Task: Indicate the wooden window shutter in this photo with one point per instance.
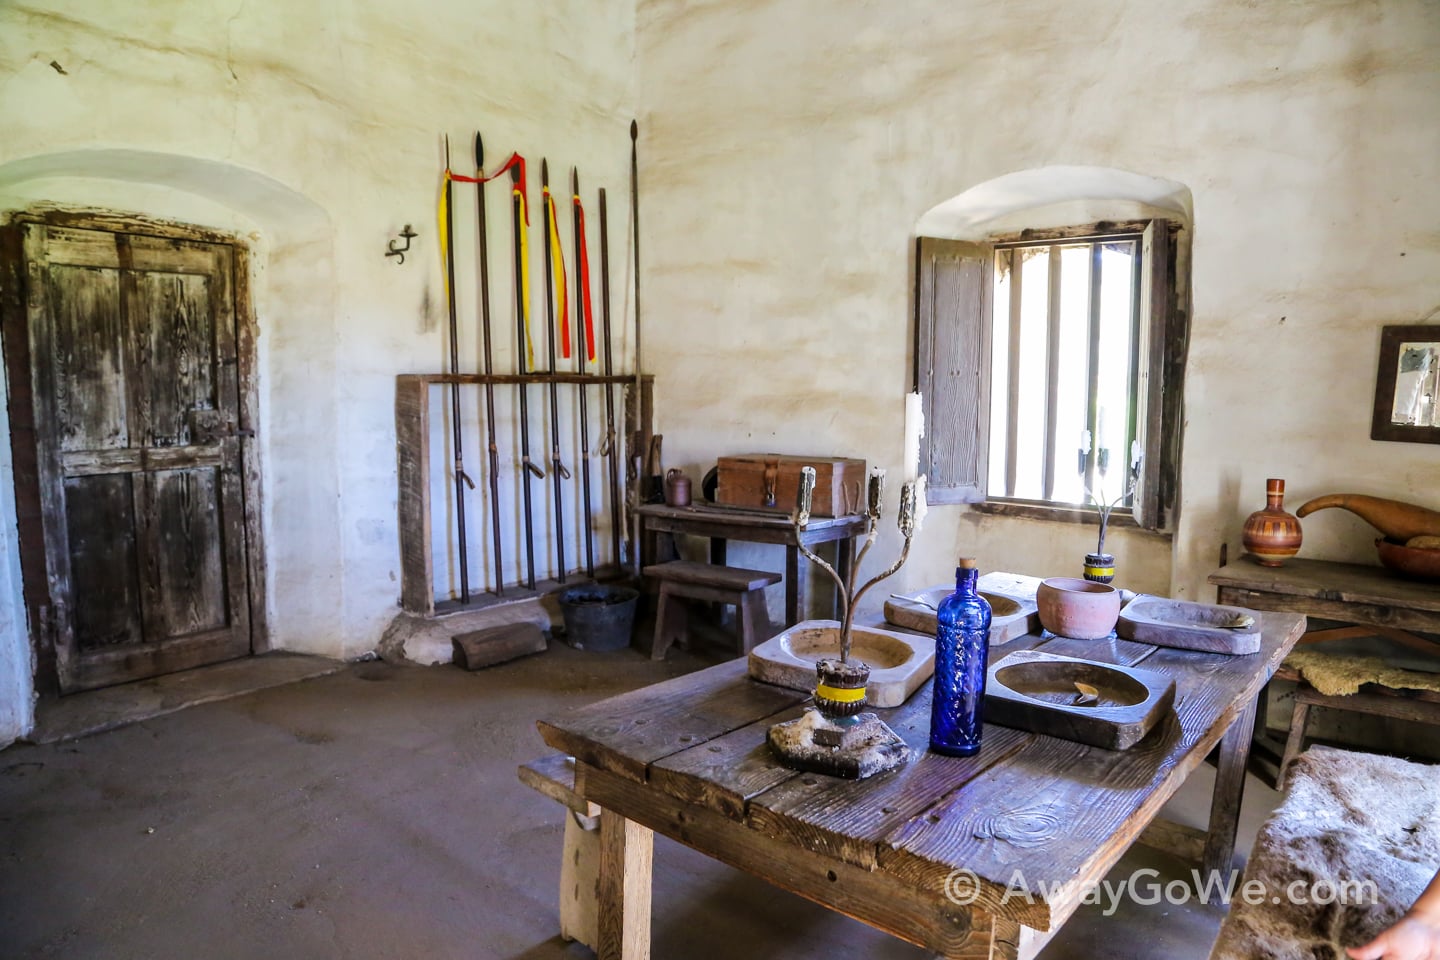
(952, 353)
(1151, 495)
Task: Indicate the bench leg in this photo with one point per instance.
(671, 622)
(1295, 742)
(752, 621)
(579, 870)
(626, 849)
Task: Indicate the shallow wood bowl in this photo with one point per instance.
(1417, 563)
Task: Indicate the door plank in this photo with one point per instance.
(102, 561)
(90, 368)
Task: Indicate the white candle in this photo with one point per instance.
(920, 503)
(914, 430)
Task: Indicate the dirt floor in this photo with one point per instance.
(375, 812)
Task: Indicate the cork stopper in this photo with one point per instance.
(967, 563)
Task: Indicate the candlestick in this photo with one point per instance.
(906, 518)
(914, 430)
(877, 491)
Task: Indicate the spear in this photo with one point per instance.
(558, 471)
(461, 478)
(499, 565)
(585, 345)
(519, 217)
(608, 448)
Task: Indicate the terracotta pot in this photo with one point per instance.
(1272, 536)
(1417, 563)
(1070, 607)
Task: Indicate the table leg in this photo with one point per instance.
(623, 888)
(794, 588)
(717, 551)
(1229, 791)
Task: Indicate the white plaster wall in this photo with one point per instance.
(791, 146)
(312, 131)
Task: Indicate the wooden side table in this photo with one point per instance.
(1350, 593)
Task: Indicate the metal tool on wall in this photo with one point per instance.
(555, 288)
(495, 536)
(585, 346)
(457, 435)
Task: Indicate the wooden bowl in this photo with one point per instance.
(1417, 563)
(1071, 607)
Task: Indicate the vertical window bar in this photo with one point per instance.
(1092, 388)
(1052, 373)
(1132, 421)
(1012, 406)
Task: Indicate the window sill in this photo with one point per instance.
(1030, 510)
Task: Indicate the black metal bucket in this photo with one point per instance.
(599, 616)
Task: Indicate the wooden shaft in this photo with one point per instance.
(557, 467)
(521, 306)
(612, 439)
(582, 289)
(457, 435)
(497, 562)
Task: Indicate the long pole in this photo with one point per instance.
(558, 471)
(582, 323)
(642, 442)
(609, 447)
(461, 479)
(498, 562)
(522, 289)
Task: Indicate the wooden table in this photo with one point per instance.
(722, 524)
(1356, 593)
(688, 758)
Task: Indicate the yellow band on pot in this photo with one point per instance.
(1100, 571)
(840, 694)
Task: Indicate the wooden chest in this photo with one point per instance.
(771, 480)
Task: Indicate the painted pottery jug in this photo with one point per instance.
(1272, 536)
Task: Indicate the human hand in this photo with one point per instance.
(1415, 937)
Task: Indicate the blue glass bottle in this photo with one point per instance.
(962, 641)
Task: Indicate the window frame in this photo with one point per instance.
(941, 354)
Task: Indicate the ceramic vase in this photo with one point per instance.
(1272, 536)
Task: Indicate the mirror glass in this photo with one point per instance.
(1417, 383)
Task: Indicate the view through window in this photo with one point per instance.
(1064, 378)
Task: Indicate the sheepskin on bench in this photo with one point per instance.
(1346, 816)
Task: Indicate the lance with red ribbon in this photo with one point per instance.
(583, 327)
(555, 289)
(608, 446)
(490, 426)
(519, 218)
(457, 435)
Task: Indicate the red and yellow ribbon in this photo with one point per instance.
(582, 268)
(557, 260)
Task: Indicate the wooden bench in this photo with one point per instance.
(684, 579)
(554, 776)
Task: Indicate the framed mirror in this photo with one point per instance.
(1407, 386)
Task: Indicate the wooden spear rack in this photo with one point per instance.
(413, 450)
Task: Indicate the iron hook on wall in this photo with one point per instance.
(407, 235)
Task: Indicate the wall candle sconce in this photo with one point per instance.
(407, 235)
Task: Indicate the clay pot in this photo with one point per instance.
(1070, 607)
(1272, 536)
(840, 687)
(1417, 563)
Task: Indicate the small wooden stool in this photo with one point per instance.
(684, 579)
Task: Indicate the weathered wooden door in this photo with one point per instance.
(136, 410)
